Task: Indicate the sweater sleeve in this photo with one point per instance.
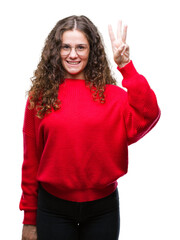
(29, 185)
(141, 111)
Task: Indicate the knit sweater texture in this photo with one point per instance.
(80, 151)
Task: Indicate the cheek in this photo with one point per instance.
(86, 60)
(64, 63)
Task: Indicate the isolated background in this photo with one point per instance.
(149, 193)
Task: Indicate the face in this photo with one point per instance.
(74, 53)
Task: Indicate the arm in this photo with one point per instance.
(29, 185)
(141, 111)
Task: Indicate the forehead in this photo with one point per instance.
(74, 37)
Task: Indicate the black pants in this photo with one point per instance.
(59, 219)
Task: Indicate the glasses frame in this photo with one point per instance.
(82, 52)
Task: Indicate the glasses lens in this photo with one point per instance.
(65, 50)
(81, 49)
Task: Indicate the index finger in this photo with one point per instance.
(111, 34)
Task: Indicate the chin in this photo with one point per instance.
(74, 71)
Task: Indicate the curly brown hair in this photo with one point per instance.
(43, 94)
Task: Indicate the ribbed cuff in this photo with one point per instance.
(30, 217)
(128, 70)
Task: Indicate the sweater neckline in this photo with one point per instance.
(74, 79)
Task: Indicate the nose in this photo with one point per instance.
(73, 53)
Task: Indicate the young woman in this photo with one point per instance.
(77, 127)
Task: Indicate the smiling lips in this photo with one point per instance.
(73, 62)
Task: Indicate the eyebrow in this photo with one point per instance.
(84, 44)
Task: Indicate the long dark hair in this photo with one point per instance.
(43, 94)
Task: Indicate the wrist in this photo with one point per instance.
(128, 71)
(29, 218)
(123, 64)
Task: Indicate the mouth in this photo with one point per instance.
(73, 62)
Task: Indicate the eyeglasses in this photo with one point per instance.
(80, 49)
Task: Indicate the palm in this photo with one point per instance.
(119, 46)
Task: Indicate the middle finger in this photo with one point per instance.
(119, 30)
(124, 34)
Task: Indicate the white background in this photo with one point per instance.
(149, 193)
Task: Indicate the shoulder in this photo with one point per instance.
(115, 91)
(115, 95)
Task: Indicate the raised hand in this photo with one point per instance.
(119, 46)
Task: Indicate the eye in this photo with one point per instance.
(65, 47)
(81, 47)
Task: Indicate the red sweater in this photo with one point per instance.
(79, 151)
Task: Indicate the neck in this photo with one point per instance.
(79, 76)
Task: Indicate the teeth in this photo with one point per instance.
(73, 63)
